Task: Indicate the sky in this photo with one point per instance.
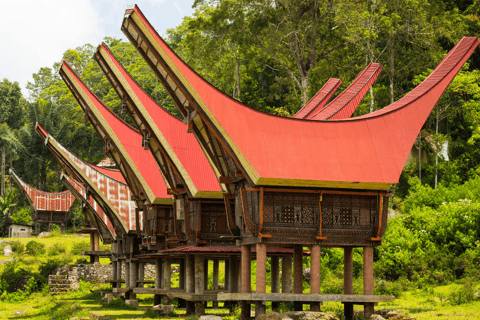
(36, 33)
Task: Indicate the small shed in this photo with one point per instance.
(19, 231)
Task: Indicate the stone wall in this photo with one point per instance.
(96, 272)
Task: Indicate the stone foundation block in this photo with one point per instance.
(132, 302)
(164, 309)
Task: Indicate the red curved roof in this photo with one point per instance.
(363, 152)
(343, 106)
(319, 100)
(45, 201)
(129, 137)
(184, 145)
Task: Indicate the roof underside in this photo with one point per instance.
(116, 195)
(45, 201)
(101, 220)
(182, 147)
(127, 141)
(366, 152)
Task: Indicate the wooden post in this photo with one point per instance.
(199, 283)
(261, 277)
(368, 308)
(181, 278)
(119, 272)
(275, 273)
(62, 228)
(287, 274)
(133, 278)
(297, 274)
(157, 299)
(215, 280)
(190, 280)
(167, 277)
(227, 270)
(232, 276)
(127, 279)
(246, 265)
(141, 273)
(205, 273)
(315, 266)
(348, 280)
(114, 273)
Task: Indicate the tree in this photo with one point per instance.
(11, 104)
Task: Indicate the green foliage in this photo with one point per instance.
(35, 248)
(22, 216)
(465, 294)
(78, 247)
(57, 249)
(17, 246)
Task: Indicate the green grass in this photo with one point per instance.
(433, 302)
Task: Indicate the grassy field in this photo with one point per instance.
(454, 301)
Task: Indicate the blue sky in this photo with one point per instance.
(36, 33)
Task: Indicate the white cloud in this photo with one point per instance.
(177, 5)
(35, 34)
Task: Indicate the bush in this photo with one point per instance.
(78, 247)
(465, 294)
(57, 249)
(35, 248)
(22, 216)
(17, 246)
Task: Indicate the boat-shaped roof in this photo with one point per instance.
(112, 195)
(91, 207)
(367, 152)
(42, 200)
(136, 164)
(168, 132)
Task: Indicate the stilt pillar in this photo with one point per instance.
(181, 278)
(62, 228)
(215, 280)
(141, 273)
(275, 277)
(157, 299)
(49, 227)
(226, 280)
(261, 277)
(315, 266)
(232, 276)
(167, 277)
(199, 283)
(368, 308)
(205, 273)
(348, 280)
(287, 274)
(94, 246)
(119, 273)
(127, 279)
(297, 274)
(190, 280)
(246, 270)
(114, 273)
(133, 278)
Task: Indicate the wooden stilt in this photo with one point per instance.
(133, 278)
(261, 277)
(215, 280)
(190, 280)
(368, 308)
(275, 278)
(315, 266)
(348, 280)
(246, 259)
(199, 283)
(157, 299)
(141, 273)
(298, 274)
